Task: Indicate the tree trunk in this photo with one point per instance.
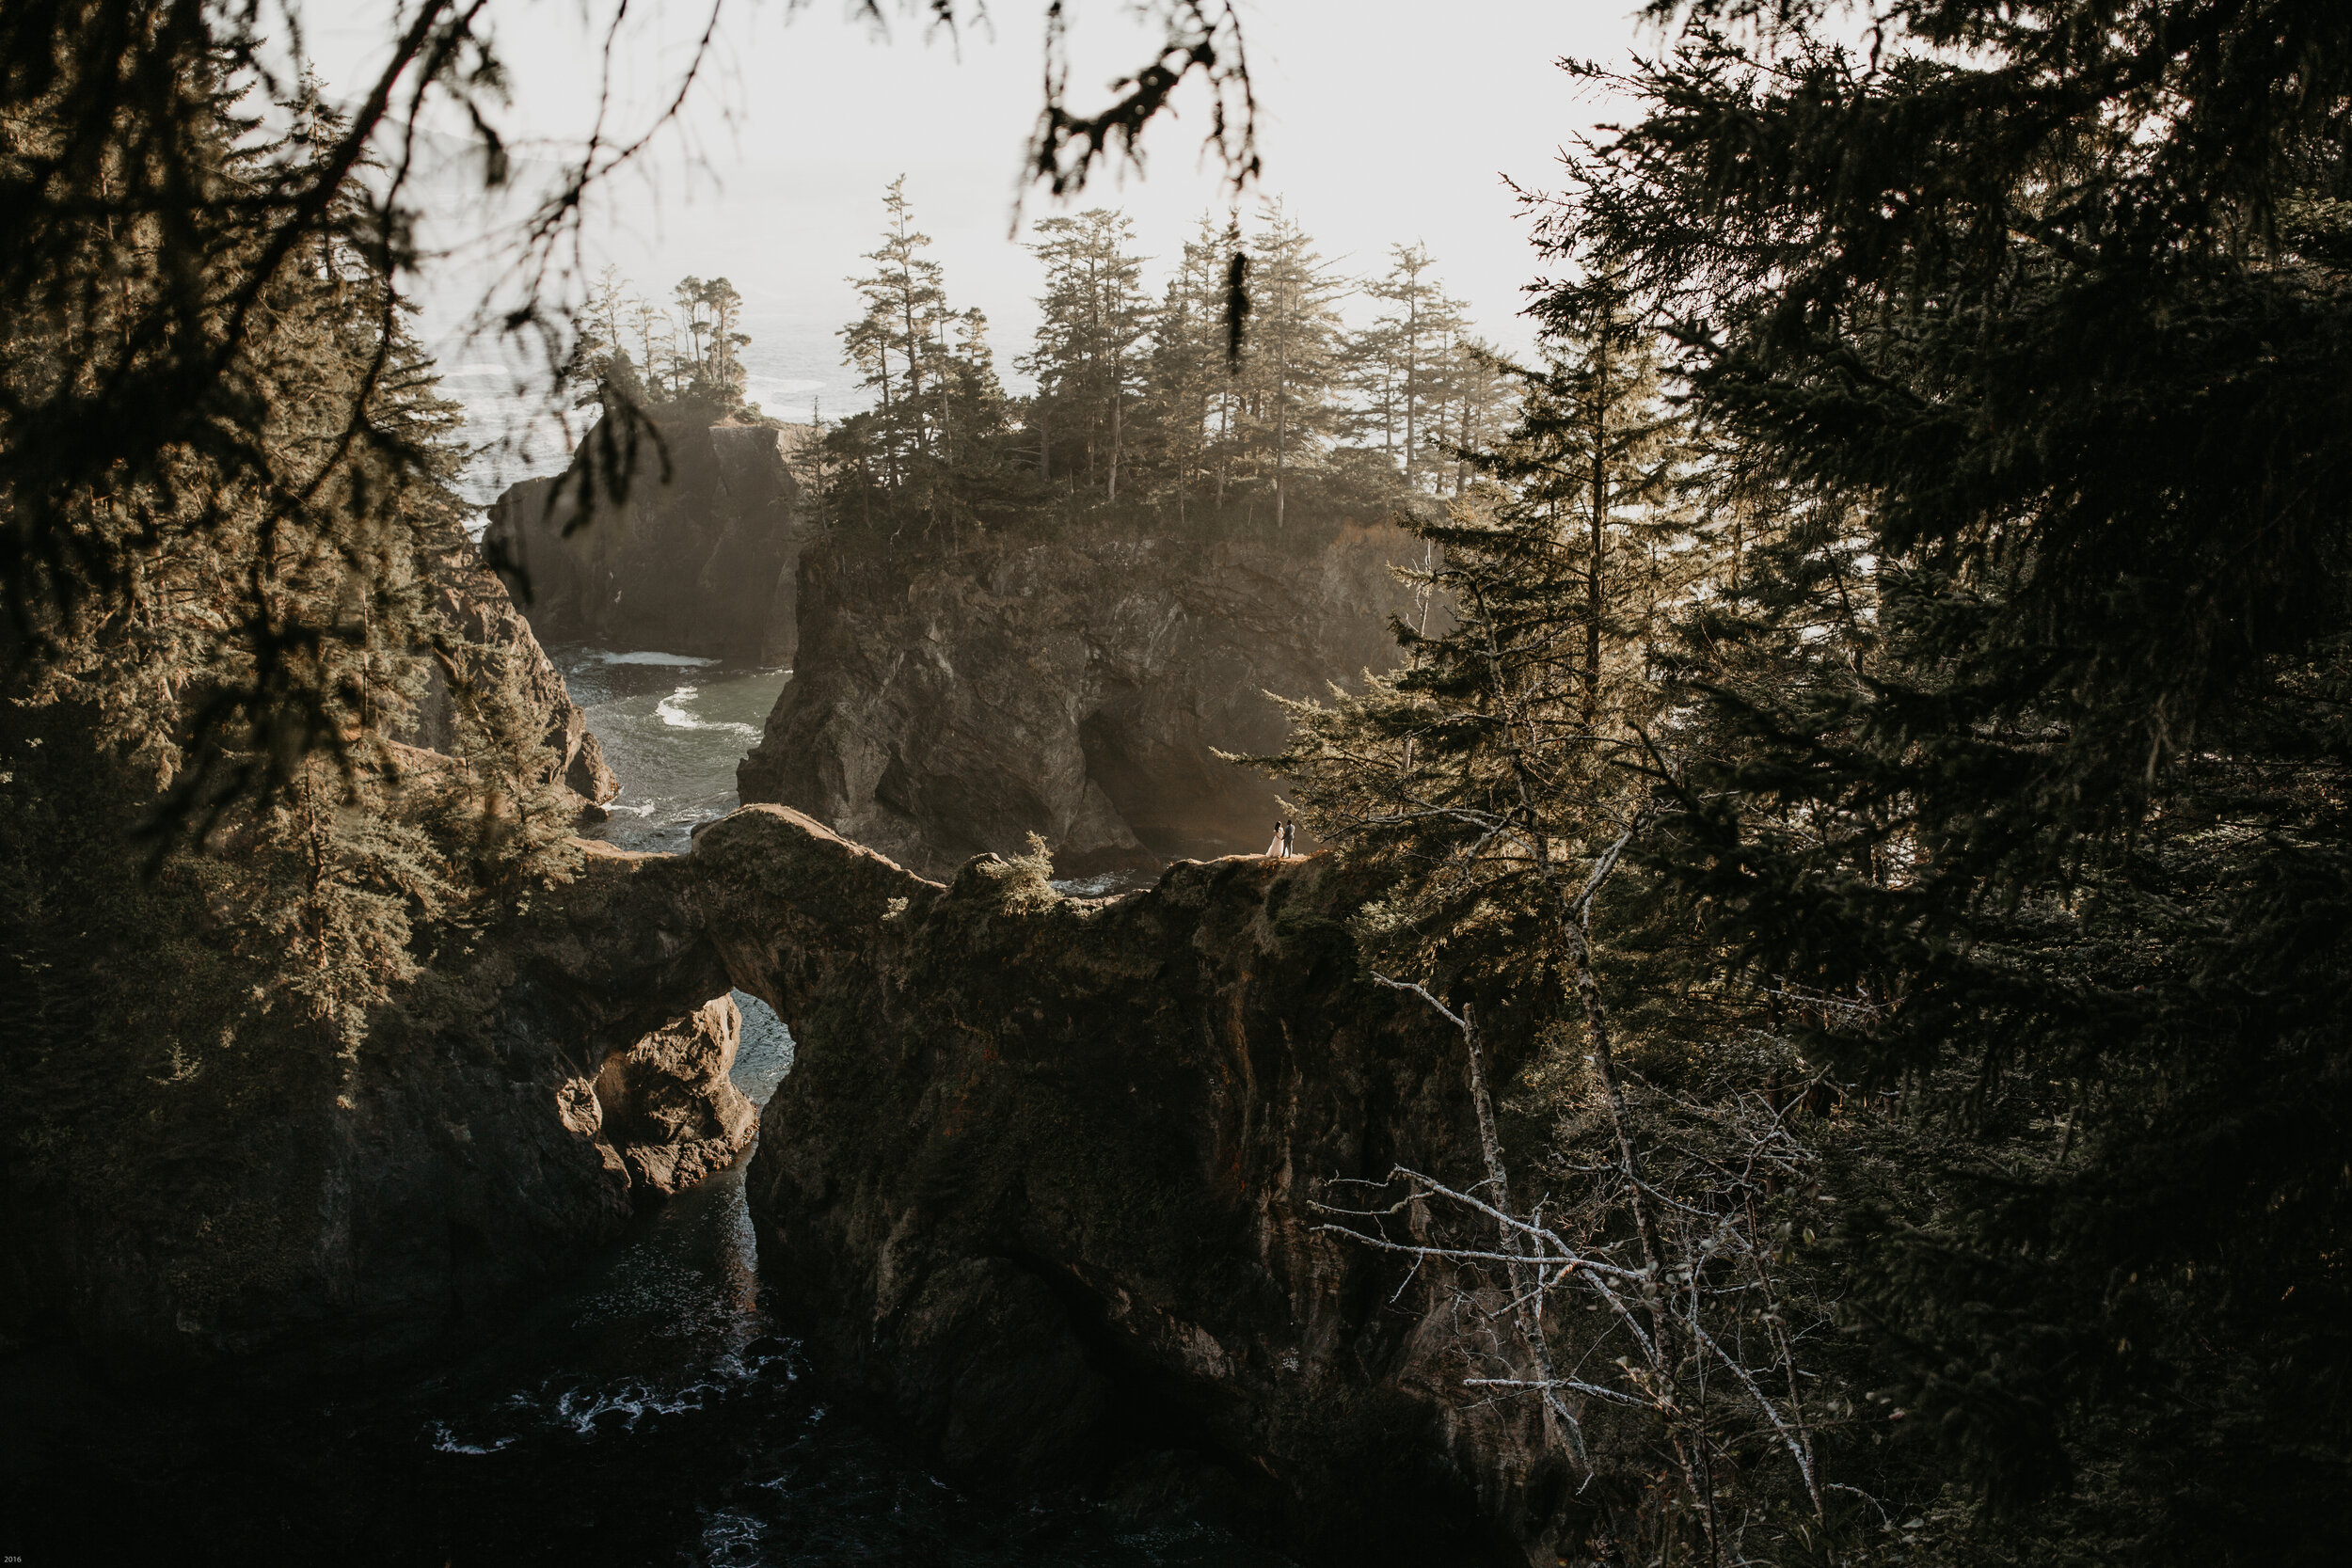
(1412, 391)
(1111, 493)
(1599, 538)
(1281, 437)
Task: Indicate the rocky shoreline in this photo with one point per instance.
(1044, 1180)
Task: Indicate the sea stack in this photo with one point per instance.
(1080, 689)
(699, 557)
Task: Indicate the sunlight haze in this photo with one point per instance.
(1376, 129)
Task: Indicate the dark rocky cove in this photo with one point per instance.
(650, 1409)
(1025, 1275)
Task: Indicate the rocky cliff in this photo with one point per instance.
(174, 1205)
(1043, 1176)
(498, 645)
(192, 1173)
(701, 557)
(1075, 690)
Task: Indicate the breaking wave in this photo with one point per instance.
(649, 657)
(671, 711)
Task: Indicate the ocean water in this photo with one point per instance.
(673, 729)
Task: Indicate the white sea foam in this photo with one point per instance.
(671, 711)
(447, 1442)
(688, 660)
(580, 1408)
(731, 1537)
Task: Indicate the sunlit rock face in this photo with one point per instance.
(1044, 1176)
(497, 644)
(699, 557)
(666, 1106)
(1076, 689)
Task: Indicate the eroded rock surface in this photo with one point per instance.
(1079, 691)
(499, 647)
(702, 560)
(666, 1106)
(1043, 1176)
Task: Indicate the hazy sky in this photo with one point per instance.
(1383, 121)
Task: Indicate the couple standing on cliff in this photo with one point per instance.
(1285, 841)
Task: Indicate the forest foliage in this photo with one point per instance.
(1146, 411)
(1879, 711)
(1895, 698)
(258, 769)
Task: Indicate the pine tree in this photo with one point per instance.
(933, 453)
(345, 878)
(1289, 361)
(712, 368)
(1557, 582)
(601, 370)
(1399, 367)
(899, 343)
(699, 374)
(1189, 385)
(1503, 777)
(2023, 724)
(1477, 406)
(343, 854)
(1085, 357)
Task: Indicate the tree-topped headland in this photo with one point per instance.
(1152, 414)
(1105, 576)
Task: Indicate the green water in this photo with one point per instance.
(672, 730)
